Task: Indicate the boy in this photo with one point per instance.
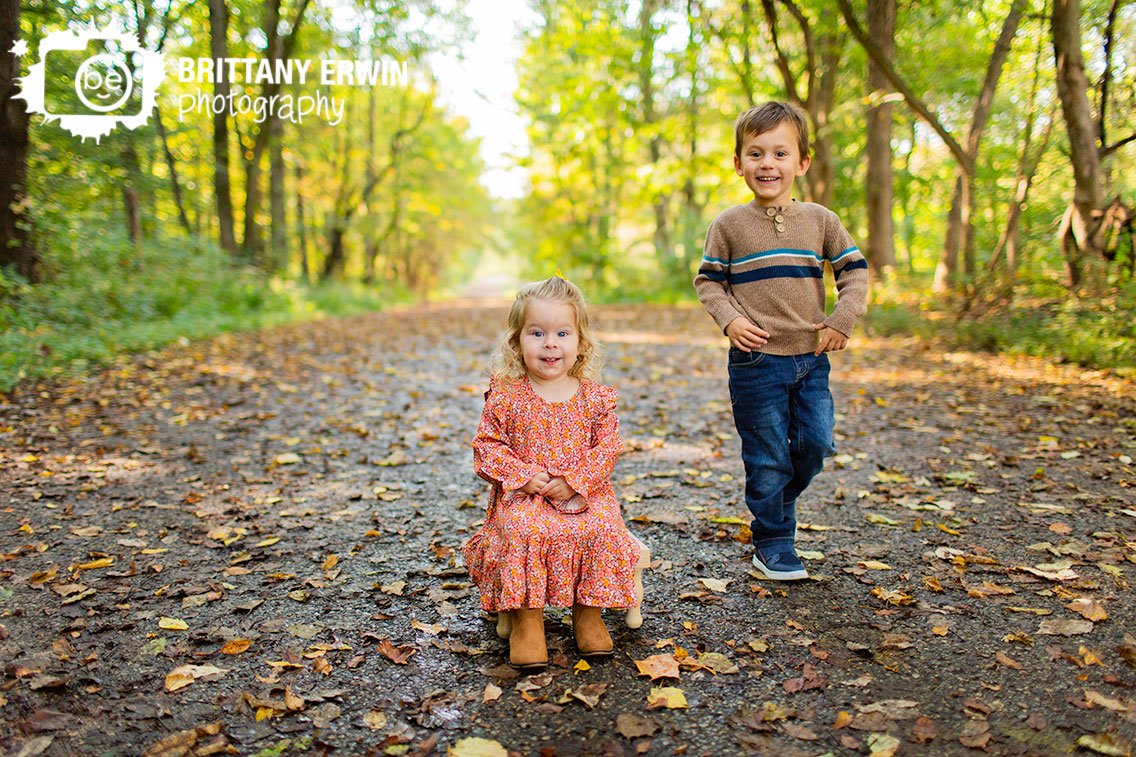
(762, 281)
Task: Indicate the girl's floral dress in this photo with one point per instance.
(528, 554)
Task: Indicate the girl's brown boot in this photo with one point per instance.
(592, 638)
(527, 648)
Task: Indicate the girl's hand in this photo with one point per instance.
(539, 481)
(557, 489)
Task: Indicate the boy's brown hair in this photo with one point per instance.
(768, 116)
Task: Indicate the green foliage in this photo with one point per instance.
(1038, 318)
(103, 297)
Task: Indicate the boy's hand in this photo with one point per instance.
(829, 340)
(745, 335)
(539, 481)
(557, 489)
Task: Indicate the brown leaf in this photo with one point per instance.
(658, 666)
(1064, 627)
(1090, 609)
(236, 646)
(798, 731)
(1006, 660)
(397, 655)
(924, 730)
(632, 726)
(975, 734)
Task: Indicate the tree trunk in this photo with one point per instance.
(959, 232)
(647, 37)
(222, 186)
(171, 164)
(279, 48)
(302, 225)
(278, 255)
(881, 226)
(1080, 236)
(16, 247)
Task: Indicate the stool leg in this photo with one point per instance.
(634, 617)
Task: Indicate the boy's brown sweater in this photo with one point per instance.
(767, 264)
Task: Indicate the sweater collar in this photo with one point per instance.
(789, 209)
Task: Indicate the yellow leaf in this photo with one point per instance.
(269, 541)
(947, 530)
(940, 630)
(286, 458)
(581, 666)
(236, 646)
(376, 720)
(666, 696)
(103, 562)
(874, 565)
(330, 562)
(173, 624)
(263, 713)
(843, 720)
(477, 747)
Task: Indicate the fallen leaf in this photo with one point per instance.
(874, 565)
(477, 747)
(924, 730)
(184, 675)
(666, 696)
(843, 720)
(798, 731)
(1008, 661)
(632, 726)
(376, 720)
(492, 692)
(330, 562)
(589, 694)
(433, 629)
(395, 588)
(172, 624)
(236, 646)
(1090, 609)
(715, 584)
(397, 655)
(1064, 627)
(1106, 702)
(103, 562)
(882, 745)
(658, 666)
(1106, 743)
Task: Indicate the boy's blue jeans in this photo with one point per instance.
(783, 411)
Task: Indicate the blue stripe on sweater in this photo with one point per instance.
(852, 267)
(777, 272)
(788, 251)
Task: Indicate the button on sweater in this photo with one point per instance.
(767, 264)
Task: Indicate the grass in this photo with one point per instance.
(102, 297)
(1040, 318)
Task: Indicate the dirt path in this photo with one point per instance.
(282, 512)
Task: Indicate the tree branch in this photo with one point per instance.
(782, 59)
(913, 100)
(1106, 151)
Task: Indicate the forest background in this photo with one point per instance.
(975, 149)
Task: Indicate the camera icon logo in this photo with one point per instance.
(92, 81)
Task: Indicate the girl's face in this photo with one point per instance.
(550, 342)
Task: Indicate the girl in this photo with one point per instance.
(547, 442)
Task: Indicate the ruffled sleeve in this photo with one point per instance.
(593, 471)
(493, 458)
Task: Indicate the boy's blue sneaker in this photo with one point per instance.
(779, 562)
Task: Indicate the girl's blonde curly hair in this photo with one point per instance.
(508, 364)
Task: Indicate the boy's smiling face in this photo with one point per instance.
(770, 162)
